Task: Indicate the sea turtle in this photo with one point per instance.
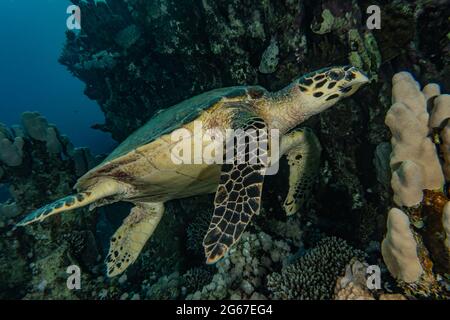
(142, 170)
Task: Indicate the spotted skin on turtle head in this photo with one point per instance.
(332, 83)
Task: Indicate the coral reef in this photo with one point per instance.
(191, 47)
(313, 276)
(241, 274)
(31, 153)
(195, 279)
(446, 224)
(219, 44)
(414, 163)
(414, 248)
(166, 288)
(353, 285)
(44, 169)
(196, 231)
(400, 249)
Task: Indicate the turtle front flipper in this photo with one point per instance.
(130, 238)
(103, 189)
(238, 195)
(303, 154)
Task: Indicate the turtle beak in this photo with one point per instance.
(361, 78)
(354, 79)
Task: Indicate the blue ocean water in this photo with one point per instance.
(32, 35)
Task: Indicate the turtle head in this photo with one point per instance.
(312, 94)
(322, 89)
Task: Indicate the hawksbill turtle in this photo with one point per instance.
(141, 169)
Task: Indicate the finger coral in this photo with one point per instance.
(400, 248)
(414, 162)
(414, 248)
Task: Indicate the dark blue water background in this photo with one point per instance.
(32, 34)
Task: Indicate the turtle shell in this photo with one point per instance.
(167, 120)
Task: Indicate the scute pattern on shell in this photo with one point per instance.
(175, 116)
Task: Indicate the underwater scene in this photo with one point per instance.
(225, 150)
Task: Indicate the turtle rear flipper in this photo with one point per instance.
(130, 238)
(103, 189)
(238, 195)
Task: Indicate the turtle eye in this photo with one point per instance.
(335, 75)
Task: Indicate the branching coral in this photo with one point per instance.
(313, 276)
(196, 231)
(194, 279)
